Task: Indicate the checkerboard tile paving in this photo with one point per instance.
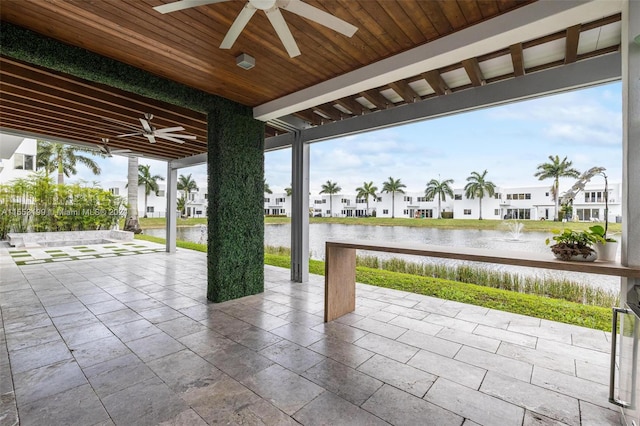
(34, 256)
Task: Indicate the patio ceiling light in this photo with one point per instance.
(245, 61)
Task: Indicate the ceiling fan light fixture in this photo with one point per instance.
(245, 61)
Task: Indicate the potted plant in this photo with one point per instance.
(605, 246)
(574, 245)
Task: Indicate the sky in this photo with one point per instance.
(508, 141)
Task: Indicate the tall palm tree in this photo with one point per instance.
(289, 190)
(267, 190)
(368, 189)
(392, 186)
(186, 184)
(436, 188)
(132, 223)
(150, 182)
(330, 188)
(53, 156)
(556, 169)
(478, 186)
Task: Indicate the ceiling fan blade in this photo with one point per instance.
(130, 134)
(238, 25)
(184, 4)
(170, 138)
(145, 125)
(188, 137)
(150, 137)
(314, 14)
(282, 29)
(120, 151)
(169, 130)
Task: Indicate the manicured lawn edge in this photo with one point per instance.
(503, 300)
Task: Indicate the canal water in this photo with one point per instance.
(532, 242)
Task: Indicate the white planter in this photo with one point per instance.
(607, 252)
(591, 257)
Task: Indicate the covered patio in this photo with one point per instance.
(133, 340)
(121, 341)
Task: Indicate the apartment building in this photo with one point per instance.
(524, 203)
(17, 157)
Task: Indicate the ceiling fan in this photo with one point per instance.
(106, 149)
(150, 132)
(272, 9)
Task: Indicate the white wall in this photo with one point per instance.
(9, 172)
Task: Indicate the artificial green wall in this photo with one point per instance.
(235, 210)
(235, 146)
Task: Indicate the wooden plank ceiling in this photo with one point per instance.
(183, 46)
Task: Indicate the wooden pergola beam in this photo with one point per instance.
(571, 47)
(375, 98)
(472, 67)
(436, 82)
(517, 59)
(402, 88)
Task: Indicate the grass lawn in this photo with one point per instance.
(529, 225)
(504, 300)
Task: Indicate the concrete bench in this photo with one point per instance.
(340, 266)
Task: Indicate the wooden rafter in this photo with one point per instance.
(376, 98)
(436, 82)
(352, 105)
(571, 47)
(329, 111)
(517, 59)
(405, 91)
(472, 67)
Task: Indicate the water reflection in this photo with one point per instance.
(532, 242)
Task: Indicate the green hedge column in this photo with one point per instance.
(236, 200)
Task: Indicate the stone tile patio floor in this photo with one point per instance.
(133, 341)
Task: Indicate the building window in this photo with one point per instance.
(345, 201)
(150, 209)
(546, 194)
(379, 199)
(324, 201)
(279, 200)
(281, 211)
(206, 196)
(457, 197)
(161, 193)
(329, 212)
(23, 162)
(496, 212)
(467, 212)
(406, 211)
(114, 191)
(408, 199)
(317, 201)
(588, 214)
(267, 200)
(527, 196)
(509, 196)
(385, 211)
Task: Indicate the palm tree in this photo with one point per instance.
(555, 170)
(186, 184)
(150, 183)
(393, 186)
(365, 191)
(435, 188)
(479, 187)
(132, 223)
(52, 156)
(289, 190)
(267, 190)
(330, 188)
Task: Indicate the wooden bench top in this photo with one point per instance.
(517, 258)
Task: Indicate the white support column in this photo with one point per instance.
(300, 210)
(172, 206)
(631, 133)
